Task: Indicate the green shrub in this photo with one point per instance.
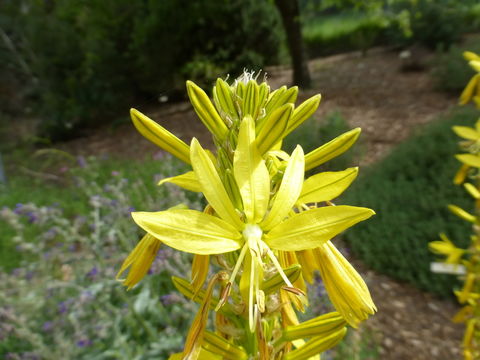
(410, 190)
(432, 23)
(451, 71)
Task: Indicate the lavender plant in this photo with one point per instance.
(62, 301)
(263, 233)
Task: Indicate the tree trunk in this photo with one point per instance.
(290, 13)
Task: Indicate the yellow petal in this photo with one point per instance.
(212, 186)
(289, 190)
(469, 90)
(190, 231)
(345, 287)
(462, 213)
(475, 64)
(302, 113)
(472, 190)
(219, 345)
(320, 326)
(251, 99)
(327, 185)
(469, 159)
(199, 274)
(469, 55)
(316, 345)
(224, 99)
(206, 111)
(251, 174)
(140, 260)
(160, 136)
(331, 149)
(275, 282)
(461, 174)
(194, 340)
(466, 132)
(186, 181)
(312, 228)
(273, 128)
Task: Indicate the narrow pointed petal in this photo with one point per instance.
(313, 228)
(469, 159)
(326, 186)
(320, 326)
(462, 213)
(139, 260)
(251, 174)
(316, 345)
(199, 273)
(274, 283)
(186, 181)
(251, 99)
(212, 186)
(224, 99)
(273, 129)
(160, 136)
(303, 112)
(190, 231)
(194, 340)
(331, 149)
(345, 287)
(206, 111)
(469, 90)
(466, 132)
(288, 192)
(219, 345)
(470, 56)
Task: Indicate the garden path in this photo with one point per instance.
(388, 104)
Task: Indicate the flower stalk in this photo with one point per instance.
(267, 227)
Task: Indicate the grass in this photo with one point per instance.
(341, 32)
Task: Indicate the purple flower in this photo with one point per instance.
(18, 208)
(81, 161)
(84, 342)
(32, 217)
(47, 326)
(115, 173)
(94, 271)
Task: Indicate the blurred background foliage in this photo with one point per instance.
(75, 64)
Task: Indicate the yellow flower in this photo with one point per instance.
(447, 248)
(262, 226)
(346, 288)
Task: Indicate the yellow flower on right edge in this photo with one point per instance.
(468, 259)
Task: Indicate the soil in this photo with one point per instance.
(373, 93)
